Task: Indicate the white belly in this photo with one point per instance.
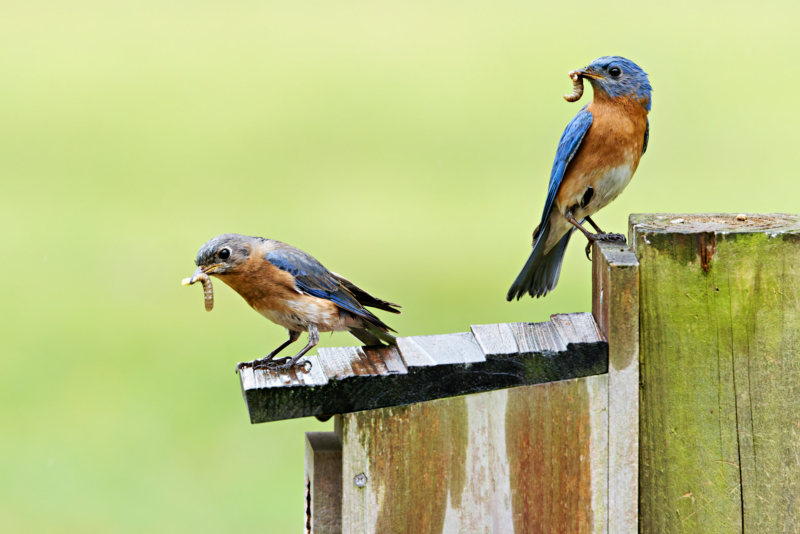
(298, 314)
(609, 186)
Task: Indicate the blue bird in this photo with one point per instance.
(294, 290)
(596, 158)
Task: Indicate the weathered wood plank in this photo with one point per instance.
(496, 339)
(422, 351)
(421, 368)
(391, 359)
(528, 459)
(344, 362)
(719, 331)
(323, 466)
(271, 378)
(615, 306)
(538, 338)
(541, 354)
(577, 327)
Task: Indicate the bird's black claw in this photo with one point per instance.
(299, 365)
(619, 238)
(266, 364)
(263, 363)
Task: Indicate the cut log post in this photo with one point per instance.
(323, 483)
(720, 372)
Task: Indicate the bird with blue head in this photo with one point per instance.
(292, 289)
(595, 160)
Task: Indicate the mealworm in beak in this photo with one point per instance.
(208, 289)
(577, 87)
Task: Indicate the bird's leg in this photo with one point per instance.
(596, 228)
(577, 225)
(313, 339)
(294, 335)
(600, 236)
(267, 361)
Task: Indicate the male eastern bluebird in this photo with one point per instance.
(292, 289)
(596, 158)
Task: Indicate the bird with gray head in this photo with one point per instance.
(294, 290)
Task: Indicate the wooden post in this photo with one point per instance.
(615, 306)
(720, 372)
(527, 459)
(323, 483)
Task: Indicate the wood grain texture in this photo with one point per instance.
(422, 368)
(556, 444)
(323, 467)
(720, 372)
(528, 459)
(615, 306)
(424, 351)
(577, 328)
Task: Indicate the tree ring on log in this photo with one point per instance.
(719, 222)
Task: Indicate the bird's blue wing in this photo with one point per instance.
(567, 147)
(646, 136)
(313, 278)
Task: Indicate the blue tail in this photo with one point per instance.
(540, 274)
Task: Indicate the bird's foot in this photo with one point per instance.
(263, 363)
(304, 366)
(615, 238)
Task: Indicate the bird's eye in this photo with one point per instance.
(615, 71)
(224, 254)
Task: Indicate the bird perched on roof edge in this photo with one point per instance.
(294, 290)
(596, 158)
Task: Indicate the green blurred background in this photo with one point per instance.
(406, 145)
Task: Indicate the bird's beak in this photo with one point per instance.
(207, 269)
(587, 74)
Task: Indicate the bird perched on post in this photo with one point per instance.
(596, 158)
(291, 289)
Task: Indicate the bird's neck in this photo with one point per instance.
(629, 103)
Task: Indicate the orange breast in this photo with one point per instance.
(261, 284)
(614, 139)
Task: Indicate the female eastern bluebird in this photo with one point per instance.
(596, 158)
(294, 290)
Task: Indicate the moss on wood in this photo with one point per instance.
(720, 373)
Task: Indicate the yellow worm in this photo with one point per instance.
(577, 87)
(208, 289)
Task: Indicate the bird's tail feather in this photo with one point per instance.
(540, 274)
(370, 335)
(365, 299)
